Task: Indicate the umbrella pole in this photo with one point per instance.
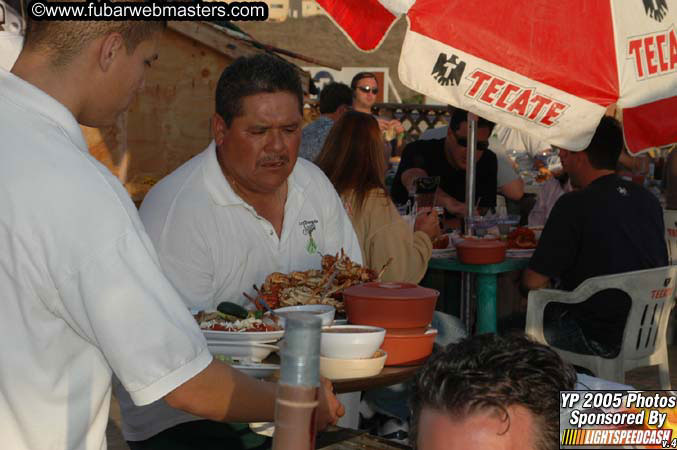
(470, 173)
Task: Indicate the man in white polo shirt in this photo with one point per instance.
(243, 208)
(83, 295)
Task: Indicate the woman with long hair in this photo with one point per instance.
(352, 158)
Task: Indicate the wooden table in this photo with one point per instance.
(349, 391)
(486, 285)
(387, 377)
(337, 438)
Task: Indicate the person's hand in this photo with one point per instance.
(428, 222)
(383, 124)
(397, 126)
(330, 409)
(450, 203)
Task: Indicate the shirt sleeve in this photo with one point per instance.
(391, 237)
(184, 254)
(187, 262)
(506, 173)
(120, 301)
(557, 249)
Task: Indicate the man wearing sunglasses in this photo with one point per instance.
(447, 159)
(365, 89)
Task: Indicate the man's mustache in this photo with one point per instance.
(273, 160)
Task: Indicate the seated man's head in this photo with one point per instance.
(257, 124)
(601, 155)
(490, 392)
(456, 143)
(95, 68)
(335, 99)
(365, 89)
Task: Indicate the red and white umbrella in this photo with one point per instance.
(547, 67)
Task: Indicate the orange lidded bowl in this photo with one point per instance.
(405, 349)
(391, 305)
(481, 251)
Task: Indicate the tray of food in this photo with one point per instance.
(231, 322)
(315, 287)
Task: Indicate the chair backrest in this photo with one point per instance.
(670, 220)
(652, 294)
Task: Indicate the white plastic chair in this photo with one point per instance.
(644, 342)
(670, 220)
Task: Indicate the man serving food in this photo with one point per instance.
(242, 209)
(83, 294)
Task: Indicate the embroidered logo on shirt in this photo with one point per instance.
(621, 190)
(308, 227)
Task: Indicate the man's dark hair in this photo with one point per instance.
(606, 145)
(490, 372)
(254, 75)
(458, 116)
(333, 96)
(361, 76)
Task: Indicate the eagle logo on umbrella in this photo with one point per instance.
(448, 70)
(656, 9)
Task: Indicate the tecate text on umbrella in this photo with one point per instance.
(654, 54)
(512, 98)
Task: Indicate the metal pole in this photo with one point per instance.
(466, 297)
(470, 171)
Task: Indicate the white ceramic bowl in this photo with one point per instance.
(324, 312)
(351, 341)
(242, 351)
(341, 369)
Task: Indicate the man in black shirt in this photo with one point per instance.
(608, 226)
(447, 159)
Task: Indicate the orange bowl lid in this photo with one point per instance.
(392, 290)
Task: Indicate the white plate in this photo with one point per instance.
(263, 428)
(243, 336)
(519, 252)
(445, 253)
(243, 351)
(257, 370)
(324, 312)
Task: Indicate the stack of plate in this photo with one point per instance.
(245, 350)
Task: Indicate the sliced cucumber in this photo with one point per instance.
(232, 309)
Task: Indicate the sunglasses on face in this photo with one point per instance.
(481, 145)
(368, 89)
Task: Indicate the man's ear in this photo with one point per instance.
(218, 128)
(111, 46)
